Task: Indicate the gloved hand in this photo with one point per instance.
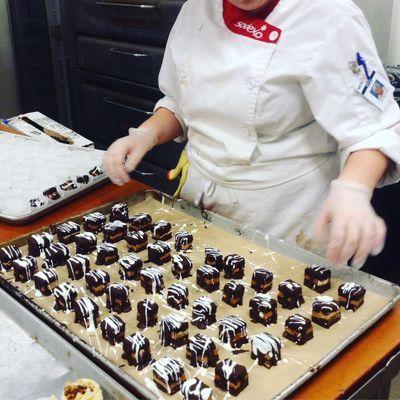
(125, 154)
(349, 224)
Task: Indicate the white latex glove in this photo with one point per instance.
(126, 153)
(349, 224)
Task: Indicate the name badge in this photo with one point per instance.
(372, 86)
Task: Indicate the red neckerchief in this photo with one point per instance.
(252, 25)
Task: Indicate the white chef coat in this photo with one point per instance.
(272, 113)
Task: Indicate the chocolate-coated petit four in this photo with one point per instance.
(152, 280)
(263, 309)
(137, 241)
(56, 255)
(117, 298)
(232, 294)
(52, 193)
(298, 329)
(78, 266)
(94, 222)
(45, 282)
(203, 313)
(290, 294)
(113, 329)
(8, 254)
(201, 351)
(174, 331)
(178, 296)
(195, 389)
(181, 266)
(168, 374)
(83, 179)
(183, 241)
(115, 231)
(325, 311)
(231, 377)
(130, 267)
(161, 230)
(119, 212)
(86, 313)
(147, 314)
(137, 350)
(24, 268)
(207, 277)
(233, 330)
(97, 281)
(69, 185)
(64, 295)
(214, 258)
(266, 349)
(86, 242)
(37, 243)
(66, 232)
(107, 254)
(351, 296)
(234, 266)
(261, 280)
(96, 171)
(159, 252)
(140, 221)
(317, 278)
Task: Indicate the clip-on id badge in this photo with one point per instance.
(373, 86)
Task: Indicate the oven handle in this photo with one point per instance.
(111, 101)
(128, 53)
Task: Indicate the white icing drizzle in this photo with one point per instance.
(28, 264)
(350, 290)
(107, 247)
(161, 228)
(114, 323)
(116, 287)
(180, 263)
(96, 218)
(177, 292)
(326, 304)
(199, 345)
(98, 275)
(233, 260)
(183, 238)
(194, 388)
(79, 261)
(137, 342)
(160, 246)
(169, 370)
(155, 276)
(87, 308)
(265, 343)
(113, 226)
(42, 240)
(89, 236)
(66, 291)
(11, 252)
(168, 323)
(202, 308)
(228, 366)
(147, 305)
(68, 227)
(230, 326)
(54, 250)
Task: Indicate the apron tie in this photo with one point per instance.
(181, 169)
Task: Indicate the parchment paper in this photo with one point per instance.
(296, 360)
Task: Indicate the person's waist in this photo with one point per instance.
(261, 174)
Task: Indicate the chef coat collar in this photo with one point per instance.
(251, 25)
(236, 12)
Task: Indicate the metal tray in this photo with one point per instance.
(95, 363)
(66, 198)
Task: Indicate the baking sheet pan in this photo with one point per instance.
(66, 197)
(299, 363)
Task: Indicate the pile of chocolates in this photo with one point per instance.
(145, 264)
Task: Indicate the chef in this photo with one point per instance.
(284, 130)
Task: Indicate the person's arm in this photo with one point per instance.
(160, 128)
(347, 218)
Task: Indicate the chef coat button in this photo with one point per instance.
(250, 83)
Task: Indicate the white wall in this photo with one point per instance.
(379, 15)
(9, 104)
(394, 44)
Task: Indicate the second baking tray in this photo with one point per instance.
(298, 364)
